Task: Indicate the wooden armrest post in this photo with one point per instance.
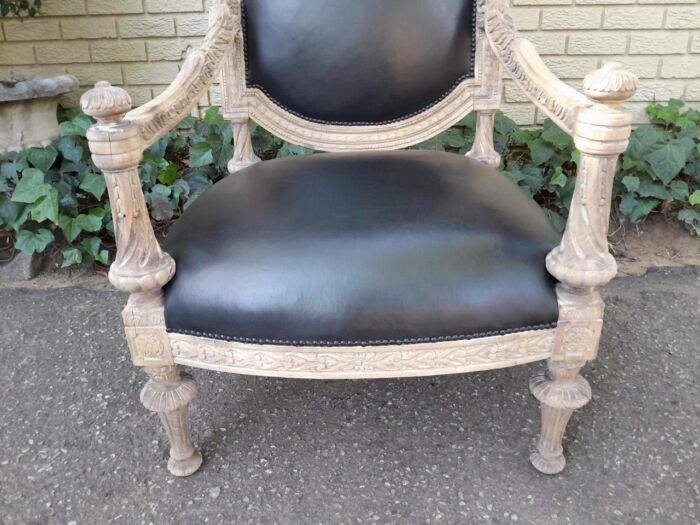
(582, 260)
(142, 269)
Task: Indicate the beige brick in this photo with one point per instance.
(116, 51)
(549, 43)
(664, 43)
(604, 2)
(643, 67)
(149, 27)
(140, 94)
(683, 17)
(192, 25)
(513, 93)
(638, 112)
(170, 49)
(16, 54)
(633, 18)
(542, 2)
(680, 67)
(62, 52)
(43, 70)
(522, 114)
(151, 73)
(695, 44)
(667, 1)
(659, 90)
(168, 6)
(215, 97)
(572, 18)
(599, 43)
(62, 7)
(88, 27)
(692, 91)
(88, 74)
(526, 18)
(2, 34)
(32, 29)
(114, 7)
(571, 67)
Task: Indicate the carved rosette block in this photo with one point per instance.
(580, 324)
(169, 393)
(560, 390)
(482, 149)
(243, 154)
(144, 322)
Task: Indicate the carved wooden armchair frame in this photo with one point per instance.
(581, 262)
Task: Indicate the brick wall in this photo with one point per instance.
(140, 44)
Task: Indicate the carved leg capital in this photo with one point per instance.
(560, 390)
(169, 393)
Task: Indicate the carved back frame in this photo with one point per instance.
(581, 262)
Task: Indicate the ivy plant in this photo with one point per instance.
(55, 197)
(19, 7)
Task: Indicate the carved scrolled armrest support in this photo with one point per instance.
(155, 118)
(520, 59)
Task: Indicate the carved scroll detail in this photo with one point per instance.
(358, 362)
(199, 70)
(520, 58)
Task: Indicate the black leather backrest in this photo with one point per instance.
(358, 61)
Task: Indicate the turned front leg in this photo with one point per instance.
(168, 393)
(561, 390)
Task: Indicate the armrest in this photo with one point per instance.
(558, 100)
(155, 118)
(118, 140)
(601, 130)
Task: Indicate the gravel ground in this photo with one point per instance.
(76, 446)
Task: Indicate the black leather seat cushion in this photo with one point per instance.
(361, 248)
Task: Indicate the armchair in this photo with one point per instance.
(365, 262)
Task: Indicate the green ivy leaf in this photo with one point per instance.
(627, 204)
(643, 208)
(559, 178)
(94, 183)
(31, 187)
(71, 257)
(694, 199)
(667, 161)
(33, 241)
(643, 141)
(540, 152)
(631, 182)
(690, 217)
(679, 190)
(201, 155)
(169, 175)
(72, 227)
(46, 208)
(556, 136)
(77, 126)
(42, 158)
(70, 149)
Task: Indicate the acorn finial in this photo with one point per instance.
(106, 103)
(611, 84)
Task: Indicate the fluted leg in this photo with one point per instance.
(243, 154)
(169, 393)
(560, 389)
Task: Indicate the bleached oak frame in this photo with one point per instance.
(581, 262)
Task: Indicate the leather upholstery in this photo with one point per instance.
(361, 248)
(358, 61)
